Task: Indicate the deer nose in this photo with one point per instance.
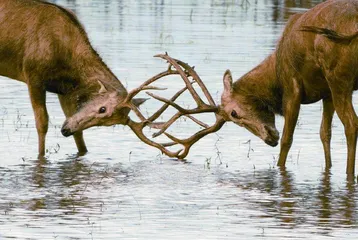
(272, 136)
(66, 132)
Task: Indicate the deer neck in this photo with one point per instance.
(93, 69)
(261, 83)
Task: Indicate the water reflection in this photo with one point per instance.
(64, 185)
(348, 206)
(295, 203)
(287, 205)
(282, 10)
(324, 199)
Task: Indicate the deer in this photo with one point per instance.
(45, 46)
(315, 59)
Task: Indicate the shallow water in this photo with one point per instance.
(229, 188)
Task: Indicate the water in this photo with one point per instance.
(229, 188)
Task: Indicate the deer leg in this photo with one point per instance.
(326, 129)
(343, 104)
(291, 111)
(38, 102)
(69, 109)
(80, 143)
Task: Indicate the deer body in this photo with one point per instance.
(316, 59)
(46, 47)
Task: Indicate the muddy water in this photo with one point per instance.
(229, 188)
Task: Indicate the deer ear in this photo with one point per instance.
(102, 89)
(227, 82)
(138, 101)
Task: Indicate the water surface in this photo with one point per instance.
(229, 188)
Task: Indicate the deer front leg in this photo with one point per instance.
(80, 143)
(326, 129)
(38, 102)
(292, 105)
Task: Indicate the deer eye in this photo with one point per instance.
(102, 110)
(234, 114)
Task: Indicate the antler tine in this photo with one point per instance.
(144, 86)
(204, 125)
(189, 142)
(197, 79)
(152, 118)
(202, 109)
(169, 144)
(192, 91)
(137, 128)
(165, 106)
(166, 125)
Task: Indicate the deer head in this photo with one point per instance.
(248, 111)
(104, 108)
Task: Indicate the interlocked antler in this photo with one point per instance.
(146, 86)
(185, 71)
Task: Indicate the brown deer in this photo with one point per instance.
(46, 47)
(316, 59)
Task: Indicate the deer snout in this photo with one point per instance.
(65, 130)
(272, 136)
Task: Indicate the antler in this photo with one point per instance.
(185, 71)
(146, 86)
